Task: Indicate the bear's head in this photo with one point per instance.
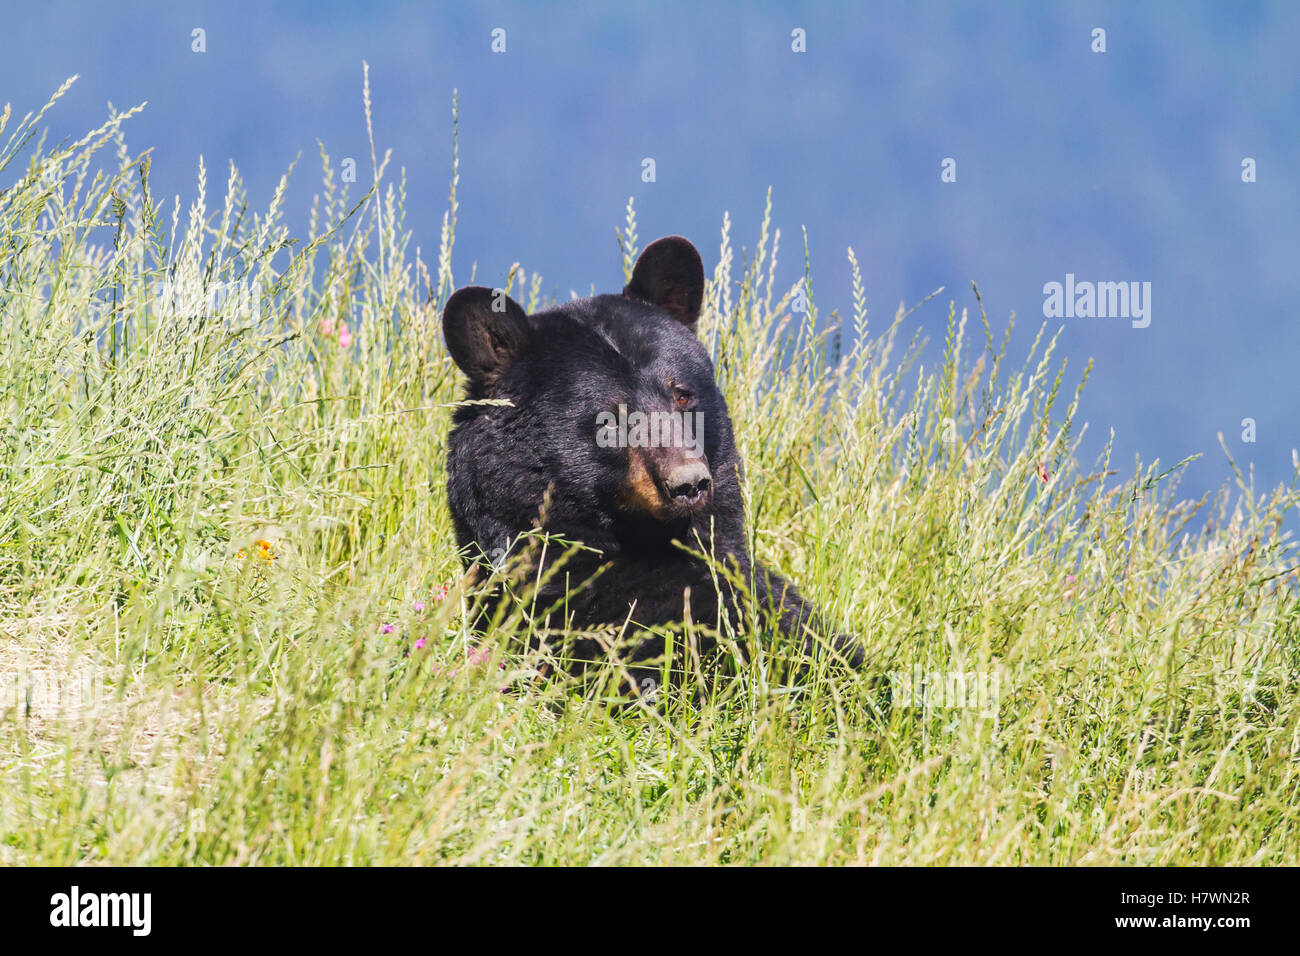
(613, 414)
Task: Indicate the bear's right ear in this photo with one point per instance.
(485, 331)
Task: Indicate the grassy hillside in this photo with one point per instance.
(234, 629)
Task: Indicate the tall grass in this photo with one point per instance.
(234, 629)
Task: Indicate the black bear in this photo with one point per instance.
(615, 435)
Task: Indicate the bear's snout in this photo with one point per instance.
(688, 483)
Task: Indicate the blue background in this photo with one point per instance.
(1117, 166)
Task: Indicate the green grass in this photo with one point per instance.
(226, 701)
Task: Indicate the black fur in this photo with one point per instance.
(559, 369)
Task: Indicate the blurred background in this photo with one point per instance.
(1117, 166)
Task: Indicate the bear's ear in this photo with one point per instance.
(670, 275)
(485, 331)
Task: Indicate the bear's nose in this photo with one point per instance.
(688, 482)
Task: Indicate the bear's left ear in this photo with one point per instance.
(670, 275)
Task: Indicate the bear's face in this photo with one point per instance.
(614, 409)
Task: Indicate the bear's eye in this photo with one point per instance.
(683, 397)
